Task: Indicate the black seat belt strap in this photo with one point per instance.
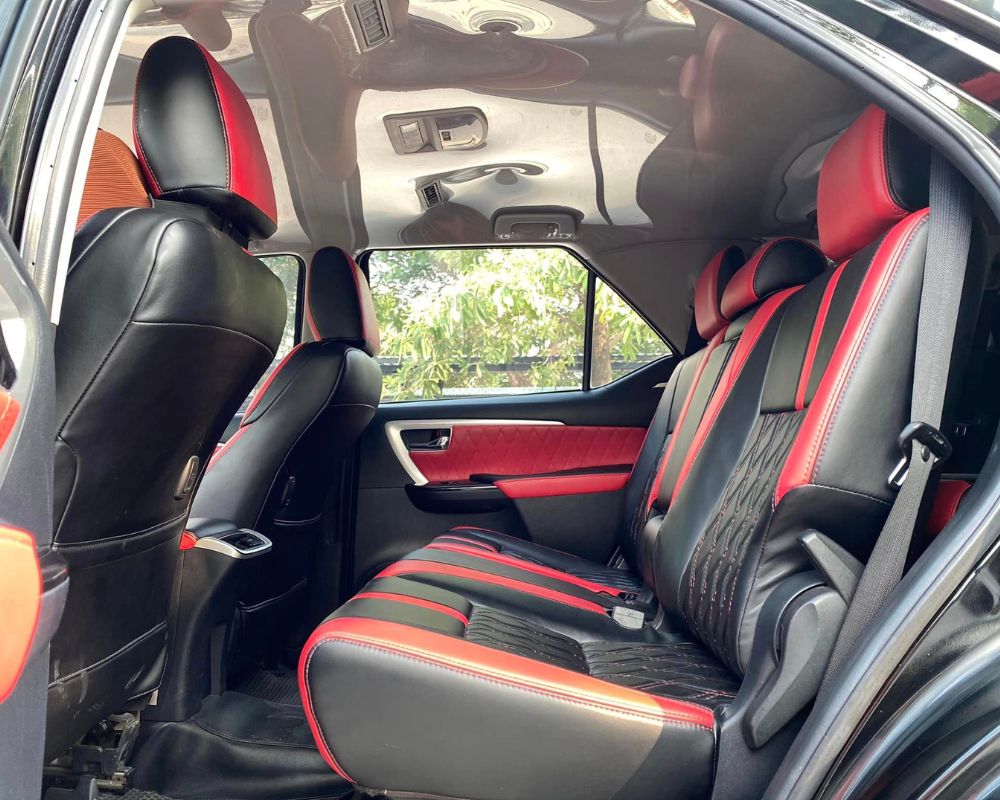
(923, 445)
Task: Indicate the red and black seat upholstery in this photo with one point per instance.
(274, 473)
(166, 324)
(417, 688)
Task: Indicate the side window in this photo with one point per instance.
(483, 321)
(288, 268)
(622, 340)
(498, 321)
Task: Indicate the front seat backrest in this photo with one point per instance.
(167, 322)
(274, 472)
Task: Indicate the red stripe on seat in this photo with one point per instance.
(557, 486)
(467, 542)
(816, 335)
(802, 460)
(409, 567)
(947, 499)
(498, 666)
(259, 394)
(654, 491)
(224, 448)
(528, 566)
(414, 601)
(741, 354)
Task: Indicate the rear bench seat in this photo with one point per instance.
(466, 689)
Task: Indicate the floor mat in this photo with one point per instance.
(274, 685)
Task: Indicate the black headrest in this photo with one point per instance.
(339, 302)
(775, 265)
(197, 139)
(876, 174)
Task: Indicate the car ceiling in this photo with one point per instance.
(613, 124)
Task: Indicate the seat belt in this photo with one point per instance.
(923, 445)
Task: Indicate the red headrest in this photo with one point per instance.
(776, 265)
(197, 139)
(876, 173)
(712, 281)
(339, 301)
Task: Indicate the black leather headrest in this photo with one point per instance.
(876, 174)
(775, 265)
(339, 301)
(197, 139)
(708, 290)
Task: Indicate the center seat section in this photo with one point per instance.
(511, 581)
(423, 691)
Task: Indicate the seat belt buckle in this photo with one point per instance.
(934, 445)
(629, 618)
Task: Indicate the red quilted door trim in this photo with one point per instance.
(528, 450)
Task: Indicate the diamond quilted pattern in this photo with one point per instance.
(529, 450)
(682, 670)
(743, 512)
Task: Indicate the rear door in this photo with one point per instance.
(518, 386)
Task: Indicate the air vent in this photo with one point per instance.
(431, 194)
(372, 23)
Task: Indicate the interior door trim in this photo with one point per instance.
(395, 428)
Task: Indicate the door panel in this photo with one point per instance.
(578, 446)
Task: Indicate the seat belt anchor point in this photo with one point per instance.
(934, 445)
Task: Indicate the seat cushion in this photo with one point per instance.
(418, 690)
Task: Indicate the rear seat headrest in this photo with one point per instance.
(114, 179)
(776, 265)
(197, 139)
(708, 316)
(339, 301)
(876, 173)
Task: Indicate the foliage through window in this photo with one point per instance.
(486, 321)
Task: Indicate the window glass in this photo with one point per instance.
(483, 321)
(288, 269)
(622, 340)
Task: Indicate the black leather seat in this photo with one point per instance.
(494, 681)
(274, 473)
(166, 324)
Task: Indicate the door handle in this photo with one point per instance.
(440, 443)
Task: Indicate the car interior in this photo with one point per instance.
(482, 399)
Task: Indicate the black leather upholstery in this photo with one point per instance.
(275, 472)
(795, 428)
(166, 324)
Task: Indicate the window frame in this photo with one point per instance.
(593, 275)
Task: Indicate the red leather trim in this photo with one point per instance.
(259, 394)
(366, 306)
(188, 541)
(854, 203)
(249, 172)
(741, 353)
(802, 460)
(412, 566)
(948, 498)
(654, 491)
(814, 337)
(556, 486)
(224, 448)
(497, 666)
(414, 601)
(20, 600)
(708, 318)
(9, 409)
(528, 450)
(740, 293)
(467, 542)
(527, 566)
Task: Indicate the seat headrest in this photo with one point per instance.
(114, 179)
(339, 301)
(876, 174)
(775, 265)
(708, 290)
(197, 139)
